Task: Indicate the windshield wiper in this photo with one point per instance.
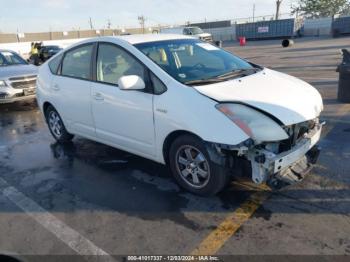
(237, 73)
(203, 81)
(223, 77)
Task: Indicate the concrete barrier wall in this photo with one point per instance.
(21, 44)
(8, 38)
(318, 27)
(45, 36)
(24, 48)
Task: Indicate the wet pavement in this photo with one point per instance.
(126, 205)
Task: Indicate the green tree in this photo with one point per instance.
(322, 8)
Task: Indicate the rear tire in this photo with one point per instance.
(56, 126)
(193, 169)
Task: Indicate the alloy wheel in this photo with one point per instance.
(192, 166)
(55, 124)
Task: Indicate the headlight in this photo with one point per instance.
(2, 83)
(258, 126)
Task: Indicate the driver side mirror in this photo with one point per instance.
(131, 82)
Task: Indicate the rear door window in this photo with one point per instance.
(77, 62)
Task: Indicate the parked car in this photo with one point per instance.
(174, 99)
(17, 78)
(48, 51)
(194, 31)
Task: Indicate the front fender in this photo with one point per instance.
(183, 108)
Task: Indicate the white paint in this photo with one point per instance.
(208, 47)
(144, 121)
(136, 39)
(67, 235)
(131, 82)
(289, 99)
(263, 29)
(139, 122)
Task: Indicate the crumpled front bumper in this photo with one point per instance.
(288, 167)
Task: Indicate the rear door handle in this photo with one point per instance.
(98, 96)
(56, 87)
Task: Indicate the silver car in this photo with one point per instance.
(17, 78)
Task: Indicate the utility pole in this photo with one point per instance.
(142, 20)
(90, 23)
(253, 12)
(278, 6)
(50, 30)
(109, 24)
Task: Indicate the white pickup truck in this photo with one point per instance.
(194, 31)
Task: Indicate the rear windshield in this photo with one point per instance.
(8, 58)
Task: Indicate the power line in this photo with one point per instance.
(109, 24)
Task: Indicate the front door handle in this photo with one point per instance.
(56, 87)
(98, 96)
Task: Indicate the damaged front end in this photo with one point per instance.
(276, 163)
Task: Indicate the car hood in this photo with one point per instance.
(17, 70)
(287, 98)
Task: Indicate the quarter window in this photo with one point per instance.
(158, 86)
(55, 63)
(113, 63)
(77, 62)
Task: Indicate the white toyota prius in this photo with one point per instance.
(205, 112)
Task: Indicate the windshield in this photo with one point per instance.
(189, 60)
(8, 58)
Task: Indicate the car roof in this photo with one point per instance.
(133, 39)
(145, 38)
(137, 39)
(7, 50)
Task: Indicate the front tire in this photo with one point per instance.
(56, 126)
(193, 169)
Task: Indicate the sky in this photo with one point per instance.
(63, 15)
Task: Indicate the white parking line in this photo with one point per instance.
(67, 235)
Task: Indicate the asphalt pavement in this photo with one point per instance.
(90, 199)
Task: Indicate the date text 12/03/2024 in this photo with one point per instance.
(172, 258)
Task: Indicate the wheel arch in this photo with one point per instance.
(46, 105)
(171, 138)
